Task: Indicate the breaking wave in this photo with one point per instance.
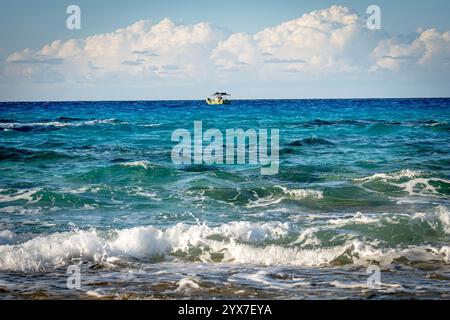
(302, 193)
(410, 181)
(270, 243)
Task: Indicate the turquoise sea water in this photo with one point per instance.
(361, 183)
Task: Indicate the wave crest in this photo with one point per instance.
(410, 181)
(237, 242)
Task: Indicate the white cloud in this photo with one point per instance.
(333, 42)
(142, 51)
(238, 51)
(430, 49)
(324, 41)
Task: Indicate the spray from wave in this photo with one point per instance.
(270, 243)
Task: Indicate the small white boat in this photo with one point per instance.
(218, 98)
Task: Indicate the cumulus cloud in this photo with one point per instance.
(323, 43)
(142, 51)
(430, 49)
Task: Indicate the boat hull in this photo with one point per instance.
(214, 102)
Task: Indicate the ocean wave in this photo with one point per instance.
(142, 163)
(142, 170)
(358, 218)
(311, 141)
(28, 195)
(385, 229)
(322, 123)
(257, 197)
(59, 123)
(25, 201)
(373, 122)
(362, 285)
(407, 173)
(88, 196)
(302, 193)
(411, 181)
(438, 219)
(254, 232)
(236, 243)
(263, 202)
(141, 242)
(275, 196)
(15, 154)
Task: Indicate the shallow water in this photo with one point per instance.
(361, 183)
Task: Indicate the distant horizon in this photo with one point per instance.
(239, 99)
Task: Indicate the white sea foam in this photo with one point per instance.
(436, 124)
(295, 194)
(187, 284)
(308, 237)
(418, 183)
(138, 191)
(95, 122)
(445, 252)
(264, 202)
(423, 185)
(250, 231)
(96, 294)
(6, 237)
(6, 234)
(358, 218)
(142, 163)
(28, 195)
(141, 242)
(407, 173)
(437, 219)
(361, 285)
(238, 246)
(150, 125)
(12, 125)
(349, 285)
(302, 193)
(51, 250)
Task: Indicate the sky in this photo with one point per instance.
(150, 50)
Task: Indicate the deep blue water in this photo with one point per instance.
(361, 182)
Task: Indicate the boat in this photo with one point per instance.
(218, 98)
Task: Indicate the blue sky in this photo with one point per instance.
(34, 24)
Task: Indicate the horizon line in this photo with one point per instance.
(198, 100)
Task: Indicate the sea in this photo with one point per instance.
(93, 207)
